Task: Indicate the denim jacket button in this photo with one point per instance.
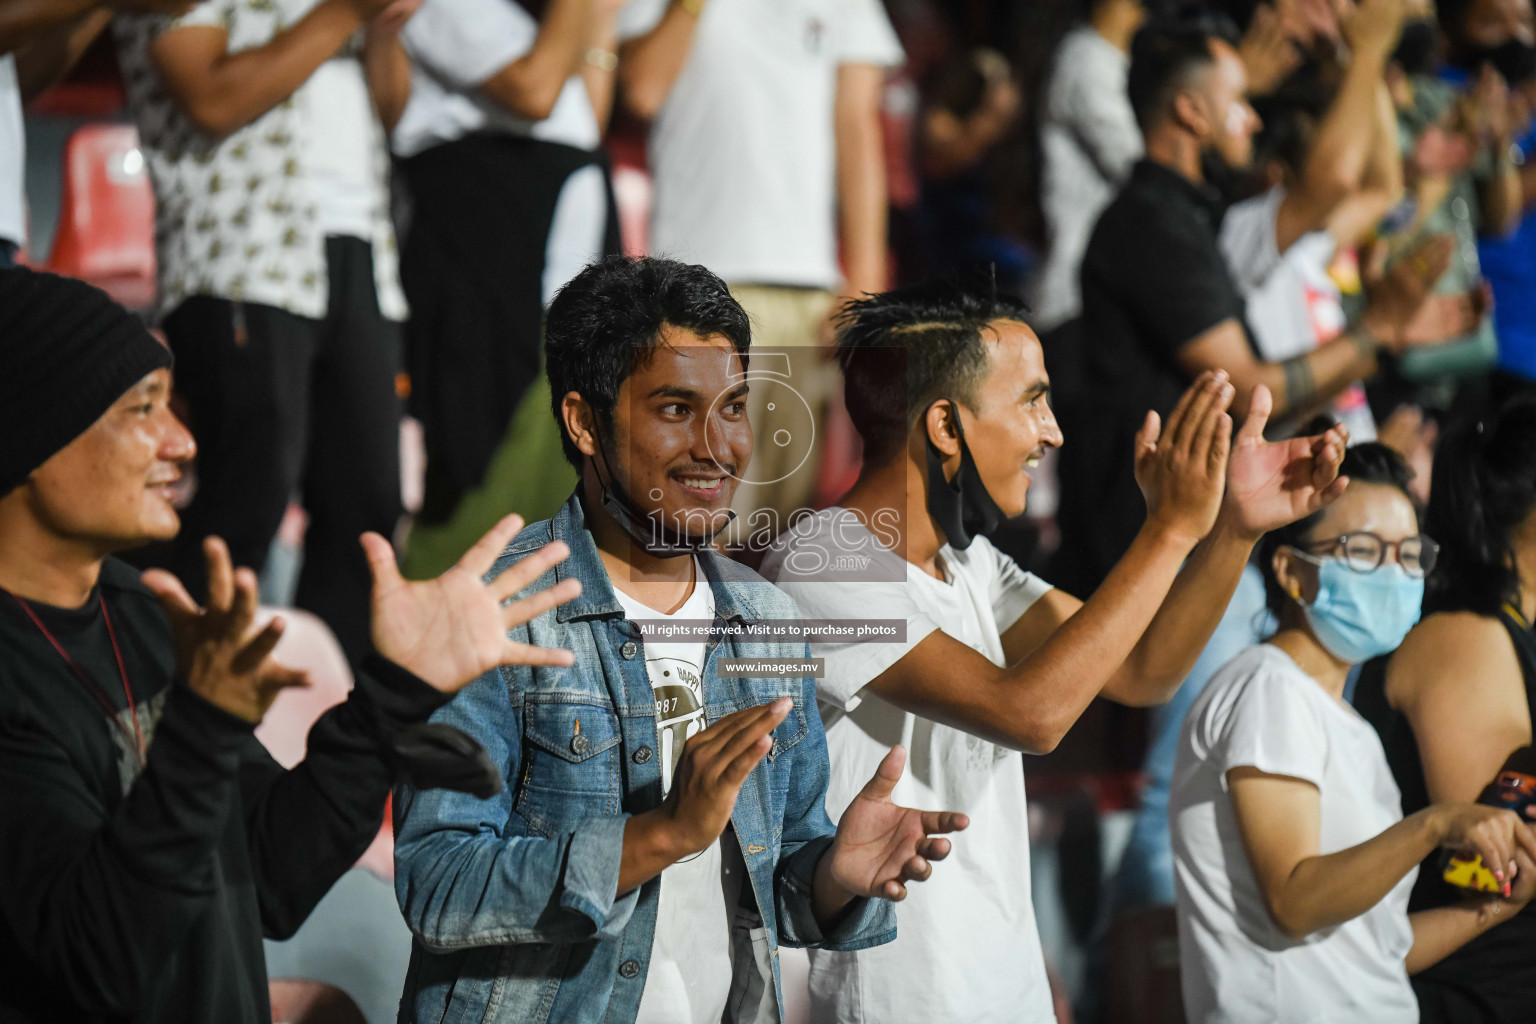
(629, 969)
(629, 650)
(580, 744)
(643, 755)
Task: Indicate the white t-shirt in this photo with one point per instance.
(1293, 305)
(689, 978)
(455, 47)
(13, 156)
(341, 151)
(743, 152)
(1263, 711)
(967, 948)
(1089, 142)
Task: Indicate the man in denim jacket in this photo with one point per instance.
(662, 829)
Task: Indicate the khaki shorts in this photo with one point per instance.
(787, 326)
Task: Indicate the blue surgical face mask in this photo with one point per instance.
(1360, 615)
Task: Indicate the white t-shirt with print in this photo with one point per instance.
(689, 978)
(967, 947)
(1263, 711)
(743, 152)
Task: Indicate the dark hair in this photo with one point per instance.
(1369, 463)
(1164, 58)
(1452, 15)
(1482, 489)
(903, 349)
(605, 323)
(1290, 117)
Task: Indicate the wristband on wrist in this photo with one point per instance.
(604, 60)
(1366, 343)
(693, 7)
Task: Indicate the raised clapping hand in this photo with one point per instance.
(452, 630)
(448, 631)
(1182, 468)
(879, 846)
(710, 773)
(219, 652)
(1270, 484)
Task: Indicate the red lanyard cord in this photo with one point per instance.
(137, 736)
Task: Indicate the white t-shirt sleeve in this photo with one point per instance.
(212, 14)
(1273, 726)
(865, 35)
(637, 17)
(463, 43)
(1248, 239)
(1098, 114)
(1013, 591)
(850, 667)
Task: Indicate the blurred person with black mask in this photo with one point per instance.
(1160, 304)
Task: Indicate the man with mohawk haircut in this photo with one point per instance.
(948, 389)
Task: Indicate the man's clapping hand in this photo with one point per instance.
(451, 630)
(219, 652)
(448, 631)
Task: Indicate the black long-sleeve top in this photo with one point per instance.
(143, 895)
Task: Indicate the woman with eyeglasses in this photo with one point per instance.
(1293, 860)
(1459, 695)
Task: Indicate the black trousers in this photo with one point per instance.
(283, 404)
(472, 263)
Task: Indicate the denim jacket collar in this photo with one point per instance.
(597, 598)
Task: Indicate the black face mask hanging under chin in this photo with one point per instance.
(962, 508)
(651, 534)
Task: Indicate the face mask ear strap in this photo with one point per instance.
(601, 459)
(954, 410)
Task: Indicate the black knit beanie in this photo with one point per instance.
(67, 352)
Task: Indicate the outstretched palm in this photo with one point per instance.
(881, 846)
(1272, 483)
(453, 629)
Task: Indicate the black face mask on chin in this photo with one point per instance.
(1514, 60)
(962, 508)
(650, 533)
(1417, 46)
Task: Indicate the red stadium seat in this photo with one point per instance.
(106, 232)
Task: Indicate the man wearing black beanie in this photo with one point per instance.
(147, 841)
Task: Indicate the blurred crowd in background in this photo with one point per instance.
(348, 217)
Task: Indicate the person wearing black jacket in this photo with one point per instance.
(147, 841)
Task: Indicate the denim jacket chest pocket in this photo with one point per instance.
(756, 691)
(570, 770)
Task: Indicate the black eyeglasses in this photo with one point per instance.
(1365, 552)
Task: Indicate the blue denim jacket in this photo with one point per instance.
(512, 899)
